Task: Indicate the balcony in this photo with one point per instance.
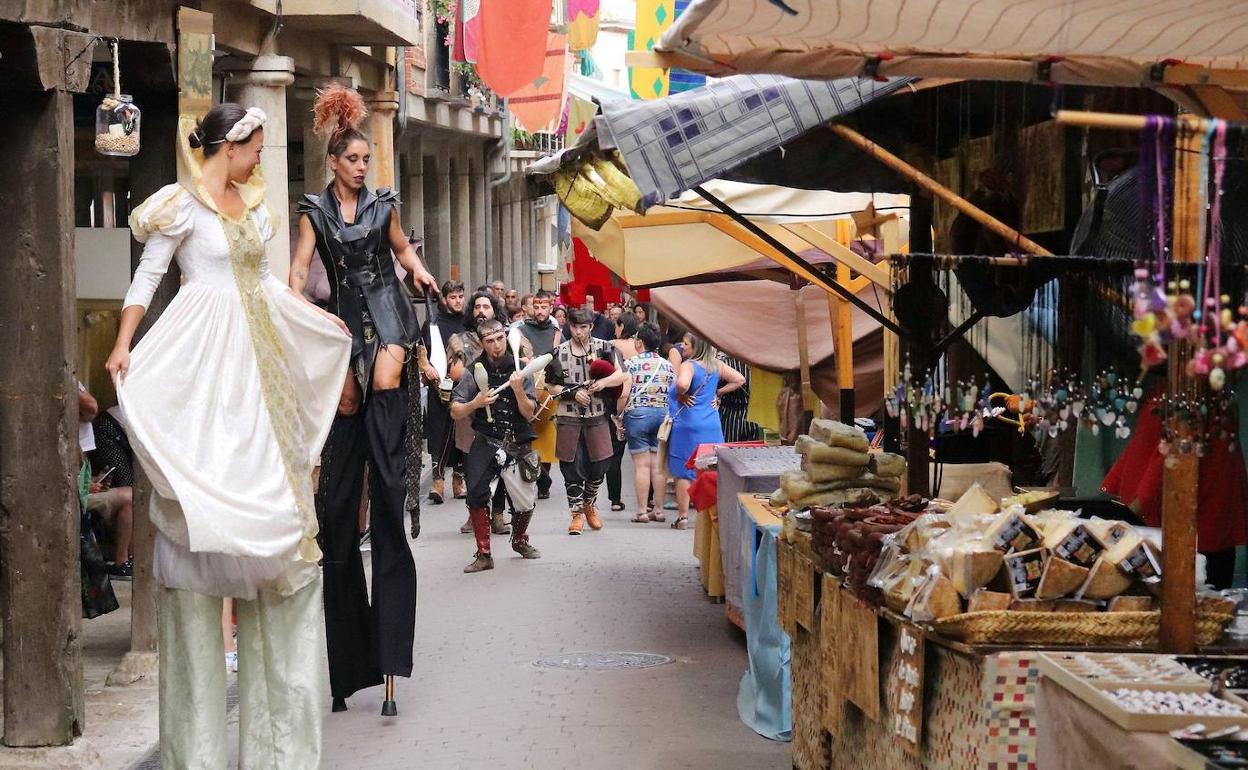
(356, 22)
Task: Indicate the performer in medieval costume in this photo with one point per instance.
(544, 336)
(229, 397)
(583, 430)
(358, 235)
(501, 448)
(449, 321)
(483, 305)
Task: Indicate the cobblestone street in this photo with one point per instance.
(476, 699)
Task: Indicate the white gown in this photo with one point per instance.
(229, 398)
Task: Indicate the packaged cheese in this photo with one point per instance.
(1023, 570)
(1011, 531)
(936, 598)
(1074, 542)
(822, 472)
(1109, 532)
(973, 502)
(835, 455)
(971, 567)
(1105, 581)
(984, 600)
(888, 465)
(1130, 604)
(838, 434)
(1060, 578)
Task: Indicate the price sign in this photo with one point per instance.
(905, 688)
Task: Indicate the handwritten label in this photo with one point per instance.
(906, 688)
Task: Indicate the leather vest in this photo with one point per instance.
(542, 338)
(360, 267)
(508, 423)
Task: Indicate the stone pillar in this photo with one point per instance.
(461, 223)
(518, 258)
(315, 159)
(442, 224)
(264, 86)
(506, 248)
(40, 581)
(381, 111)
(480, 233)
(413, 187)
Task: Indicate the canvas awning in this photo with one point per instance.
(1092, 42)
(687, 238)
(756, 322)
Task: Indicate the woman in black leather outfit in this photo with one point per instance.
(357, 233)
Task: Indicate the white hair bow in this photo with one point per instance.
(254, 119)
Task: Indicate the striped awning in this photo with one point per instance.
(1107, 42)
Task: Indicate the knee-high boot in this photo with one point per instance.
(480, 519)
(394, 570)
(520, 535)
(349, 628)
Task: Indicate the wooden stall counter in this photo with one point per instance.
(872, 691)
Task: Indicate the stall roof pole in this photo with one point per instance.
(792, 261)
(1023, 243)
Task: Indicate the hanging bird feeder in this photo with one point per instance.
(117, 118)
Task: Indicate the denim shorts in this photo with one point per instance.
(641, 427)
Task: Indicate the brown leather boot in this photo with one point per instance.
(520, 536)
(458, 488)
(591, 515)
(497, 525)
(577, 524)
(480, 519)
(437, 491)
(466, 527)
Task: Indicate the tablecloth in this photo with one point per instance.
(764, 699)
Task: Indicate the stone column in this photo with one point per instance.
(518, 258)
(264, 86)
(506, 248)
(315, 159)
(381, 111)
(413, 169)
(40, 589)
(461, 223)
(479, 236)
(442, 224)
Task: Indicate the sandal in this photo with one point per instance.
(641, 518)
(616, 505)
(681, 523)
(658, 516)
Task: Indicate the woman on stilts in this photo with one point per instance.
(229, 397)
(358, 235)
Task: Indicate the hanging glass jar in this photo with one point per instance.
(117, 118)
(117, 122)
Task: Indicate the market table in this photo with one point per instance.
(1090, 739)
(744, 469)
(764, 699)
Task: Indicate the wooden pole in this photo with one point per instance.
(925, 182)
(1121, 122)
(803, 349)
(1181, 472)
(40, 579)
(843, 336)
(918, 480)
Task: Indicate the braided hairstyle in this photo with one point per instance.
(337, 115)
(210, 131)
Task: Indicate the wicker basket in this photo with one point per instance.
(1091, 628)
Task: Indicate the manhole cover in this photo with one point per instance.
(602, 661)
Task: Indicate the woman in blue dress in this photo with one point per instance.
(694, 405)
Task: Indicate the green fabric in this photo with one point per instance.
(84, 484)
(1094, 456)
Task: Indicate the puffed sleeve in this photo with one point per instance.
(160, 223)
(264, 221)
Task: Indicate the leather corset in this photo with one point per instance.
(360, 267)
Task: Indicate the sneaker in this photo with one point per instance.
(123, 571)
(231, 662)
(366, 540)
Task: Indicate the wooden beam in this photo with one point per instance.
(739, 233)
(1022, 242)
(843, 336)
(839, 252)
(803, 349)
(1218, 103)
(40, 577)
(628, 221)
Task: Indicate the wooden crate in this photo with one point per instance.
(806, 588)
(812, 746)
(786, 563)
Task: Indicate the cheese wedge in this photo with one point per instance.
(1060, 578)
(986, 601)
(1105, 581)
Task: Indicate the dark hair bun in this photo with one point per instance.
(196, 138)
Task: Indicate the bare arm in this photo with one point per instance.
(301, 259)
(460, 410)
(730, 379)
(684, 377)
(624, 394)
(88, 407)
(406, 255)
(526, 405)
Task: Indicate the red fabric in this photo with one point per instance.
(1222, 488)
(704, 491)
(513, 43)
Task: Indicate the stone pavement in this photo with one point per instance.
(476, 700)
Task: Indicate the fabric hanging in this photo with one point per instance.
(653, 19)
(536, 106)
(513, 38)
(582, 18)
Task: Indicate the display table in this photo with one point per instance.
(743, 469)
(1090, 739)
(763, 700)
(976, 708)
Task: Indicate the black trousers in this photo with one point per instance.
(544, 481)
(615, 471)
(440, 430)
(366, 642)
(582, 477)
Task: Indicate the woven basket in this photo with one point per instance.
(1090, 628)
